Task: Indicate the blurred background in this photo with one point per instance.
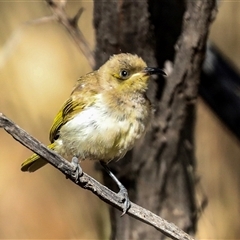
(39, 64)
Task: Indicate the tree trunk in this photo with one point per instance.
(160, 171)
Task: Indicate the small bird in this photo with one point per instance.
(106, 113)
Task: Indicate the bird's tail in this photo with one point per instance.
(35, 162)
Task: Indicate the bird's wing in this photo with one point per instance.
(74, 105)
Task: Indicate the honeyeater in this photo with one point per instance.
(106, 113)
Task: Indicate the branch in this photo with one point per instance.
(71, 26)
(87, 182)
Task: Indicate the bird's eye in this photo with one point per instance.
(124, 74)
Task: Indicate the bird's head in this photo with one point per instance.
(126, 72)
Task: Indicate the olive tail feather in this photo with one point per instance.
(35, 162)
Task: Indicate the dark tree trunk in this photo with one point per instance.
(160, 172)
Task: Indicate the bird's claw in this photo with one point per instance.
(123, 194)
(77, 170)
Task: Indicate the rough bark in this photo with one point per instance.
(160, 172)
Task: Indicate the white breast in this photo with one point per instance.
(96, 133)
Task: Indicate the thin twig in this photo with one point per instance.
(71, 26)
(87, 182)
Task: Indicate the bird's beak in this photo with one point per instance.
(151, 71)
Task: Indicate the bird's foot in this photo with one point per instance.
(77, 170)
(123, 194)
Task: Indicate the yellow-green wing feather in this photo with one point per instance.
(34, 162)
(83, 96)
(67, 112)
(74, 105)
(69, 109)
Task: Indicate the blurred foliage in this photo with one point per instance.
(39, 64)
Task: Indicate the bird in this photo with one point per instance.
(105, 115)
